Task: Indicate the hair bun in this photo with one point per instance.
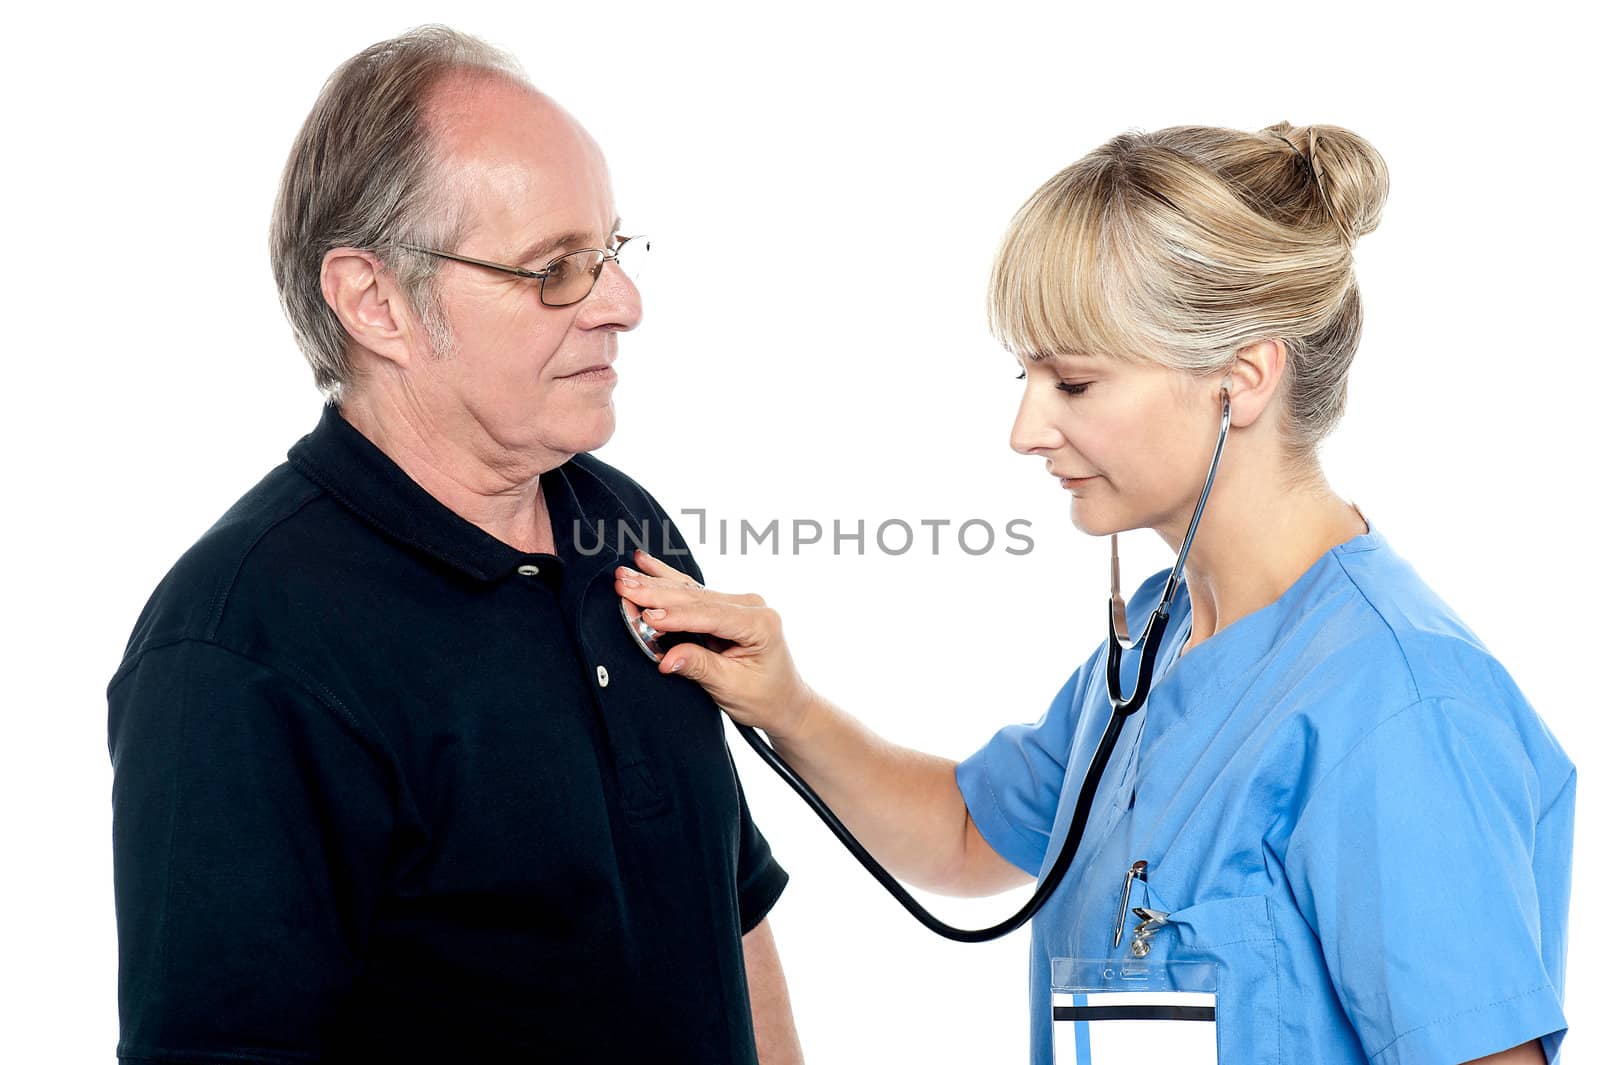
(1350, 174)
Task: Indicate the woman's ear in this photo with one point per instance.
(1256, 374)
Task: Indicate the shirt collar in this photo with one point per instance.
(354, 471)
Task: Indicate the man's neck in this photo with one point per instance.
(497, 490)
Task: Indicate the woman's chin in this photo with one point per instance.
(1093, 521)
(1090, 521)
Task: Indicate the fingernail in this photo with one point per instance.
(626, 583)
(655, 612)
(676, 666)
(626, 572)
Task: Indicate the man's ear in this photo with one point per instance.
(1258, 371)
(368, 303)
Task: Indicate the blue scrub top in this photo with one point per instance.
(1346, 805)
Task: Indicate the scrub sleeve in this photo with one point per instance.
(1412, 860)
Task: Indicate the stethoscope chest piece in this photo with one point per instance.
(653, 642)
(643, 633)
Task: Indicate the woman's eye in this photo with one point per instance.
(1073, 390)
(1023, 376)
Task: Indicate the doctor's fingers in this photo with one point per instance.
(754, 681)
(654, 567)
(645, 590)
(754, 628)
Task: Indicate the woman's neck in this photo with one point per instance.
(1253, 543)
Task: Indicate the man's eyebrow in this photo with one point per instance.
(541, 250)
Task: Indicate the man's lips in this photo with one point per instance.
(598, 371)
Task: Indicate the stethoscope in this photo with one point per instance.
(1122, 708)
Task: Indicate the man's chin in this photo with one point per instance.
(593, 434)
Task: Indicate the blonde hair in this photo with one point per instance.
(1184, 245)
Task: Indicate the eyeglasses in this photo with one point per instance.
(569, 278)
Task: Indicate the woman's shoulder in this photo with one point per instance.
(1359, 635)
(1395, 609)
(1382, 639)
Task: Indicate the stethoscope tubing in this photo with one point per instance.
(1047, 886)
(1148, 644)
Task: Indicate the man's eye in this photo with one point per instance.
(1073, 390)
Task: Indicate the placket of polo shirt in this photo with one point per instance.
(641, 797)
(589, 606)
(364, 479)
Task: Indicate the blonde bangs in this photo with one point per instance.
(1059, 283)
(1182, 246)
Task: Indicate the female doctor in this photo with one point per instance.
(1334, 800)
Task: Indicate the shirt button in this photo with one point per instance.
(528, 571)
(602, 676)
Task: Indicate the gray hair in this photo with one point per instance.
(1184, 245)
(364, 172)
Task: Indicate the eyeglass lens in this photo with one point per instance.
(571, 277)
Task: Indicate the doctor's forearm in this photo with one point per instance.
(903, 805)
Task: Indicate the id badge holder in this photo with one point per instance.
(1122, 1011)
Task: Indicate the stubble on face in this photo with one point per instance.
(527, 172)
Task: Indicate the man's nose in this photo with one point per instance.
(613, 302)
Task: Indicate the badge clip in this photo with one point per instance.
(1136, 871)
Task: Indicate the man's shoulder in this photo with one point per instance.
(656, 531)
(191, 599)
(589, 474)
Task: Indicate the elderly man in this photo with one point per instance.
(391, 782)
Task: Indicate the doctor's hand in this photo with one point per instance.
(751, 675)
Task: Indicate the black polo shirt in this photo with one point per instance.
(388, 789)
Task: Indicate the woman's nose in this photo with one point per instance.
(1033, 431)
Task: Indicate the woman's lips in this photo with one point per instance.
(1075, 482)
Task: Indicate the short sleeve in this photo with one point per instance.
(761, 878)
(1414, 862)
(1012, 785)
(250, 830)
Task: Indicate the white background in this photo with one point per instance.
(826, 185)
